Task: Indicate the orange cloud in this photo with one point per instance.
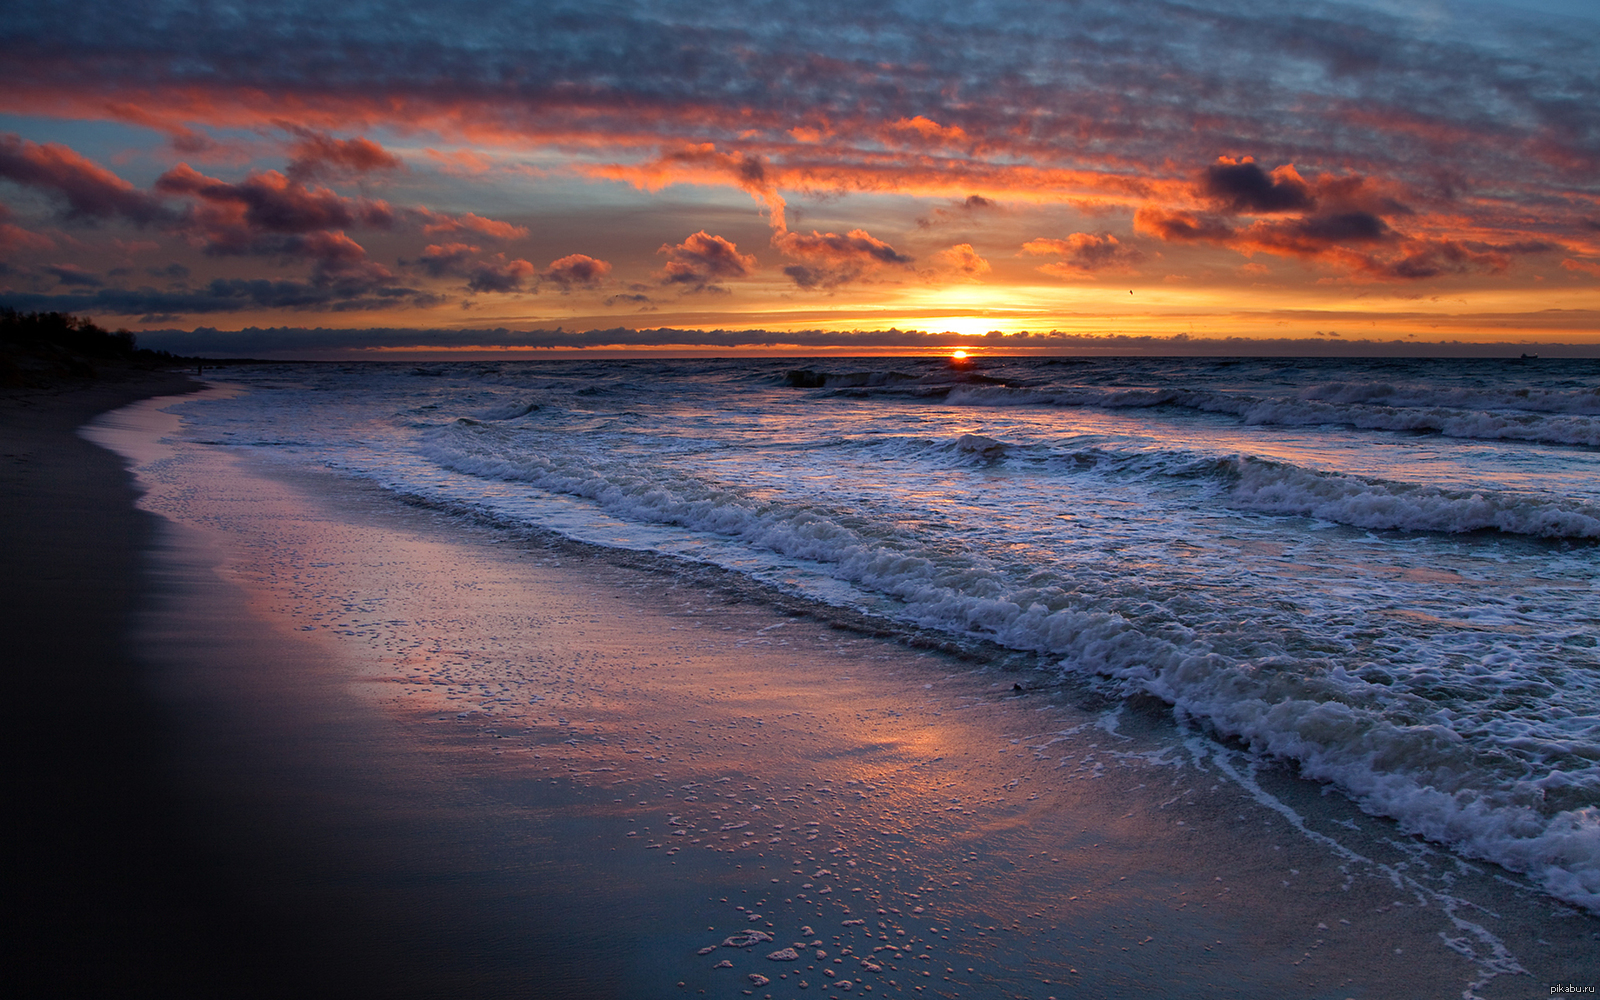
(1084, 255)
(703, 163)
(960, 260)
(930, 131)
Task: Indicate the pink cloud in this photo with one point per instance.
(702, 260)
(501, 275)
(576, 270)
(90, 190)
(831, 260)
(15, 238)
(232, 217)
(468, 222)
(318, 154)
(447, 258)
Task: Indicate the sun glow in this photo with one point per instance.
(958, 355)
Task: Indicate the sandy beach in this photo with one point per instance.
(286, 732)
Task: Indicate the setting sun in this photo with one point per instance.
(958, 355)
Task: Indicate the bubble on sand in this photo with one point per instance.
(708, 949)
(785, 955)
(724, 964)
(745, 939)
(758, 979)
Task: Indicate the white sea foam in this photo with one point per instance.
(1285, 489)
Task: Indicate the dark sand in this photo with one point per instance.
(366, 750)
(102, 896)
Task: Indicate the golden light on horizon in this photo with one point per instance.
(958, 355)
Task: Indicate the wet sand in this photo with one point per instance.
(461, 761)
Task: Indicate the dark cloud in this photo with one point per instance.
(225, 296)
(70, 274)
(1342, 224)
(830, 260)
(1314, 232)
(14, 237)
(500, 275)
(1241, 187)
(1430, 260)
(311, 343)
(336, 258)
(90, 191)
(231, 217)
(317, 154)
(440, 259)
(700, 261)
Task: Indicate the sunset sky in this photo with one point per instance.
(462, 174)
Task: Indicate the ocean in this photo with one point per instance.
(1381, 573)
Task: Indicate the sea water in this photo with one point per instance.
(1383, 572)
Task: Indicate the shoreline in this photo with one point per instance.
(470, 790)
